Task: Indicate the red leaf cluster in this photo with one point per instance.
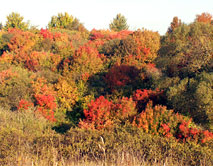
(102, 113)
(166, 130)
(46, 105)
(45, 98)
(98, 114)
(46, 34)
(121, 75)
(142, 97)
(186, 133)
(24, 105)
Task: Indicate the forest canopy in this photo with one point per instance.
(102, 80)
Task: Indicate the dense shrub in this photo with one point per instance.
(142, 97)
(187, 50)
(137, 49)
(22, 42)
(130, 143)
(15, 85)
(148, 44)
(98, 114)
(33, 61)
(99, 90)
(104, 114)
(119, 76)
(160, 121)
(66, 94)
(45, 98)
(76, 37)
(193, 97)
(87, 61)
(156, 120)
(30, 140)
(124, 110)
(17, 138)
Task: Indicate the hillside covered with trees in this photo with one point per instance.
(71, 96)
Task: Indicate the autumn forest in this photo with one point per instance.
(70, 96)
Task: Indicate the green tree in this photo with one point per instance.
(66, 21)
(14, 20)
(119, 23)
(187, 50)
(61, 21)
(194, 98)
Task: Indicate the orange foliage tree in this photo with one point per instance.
(148, 44)
(205, 18)
(57, 42)
(158, 120)
(66, 94)
(86, 61)
(22, 42)
(45, 98)
(137, 48)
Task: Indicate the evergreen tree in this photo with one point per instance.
(119, 23)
